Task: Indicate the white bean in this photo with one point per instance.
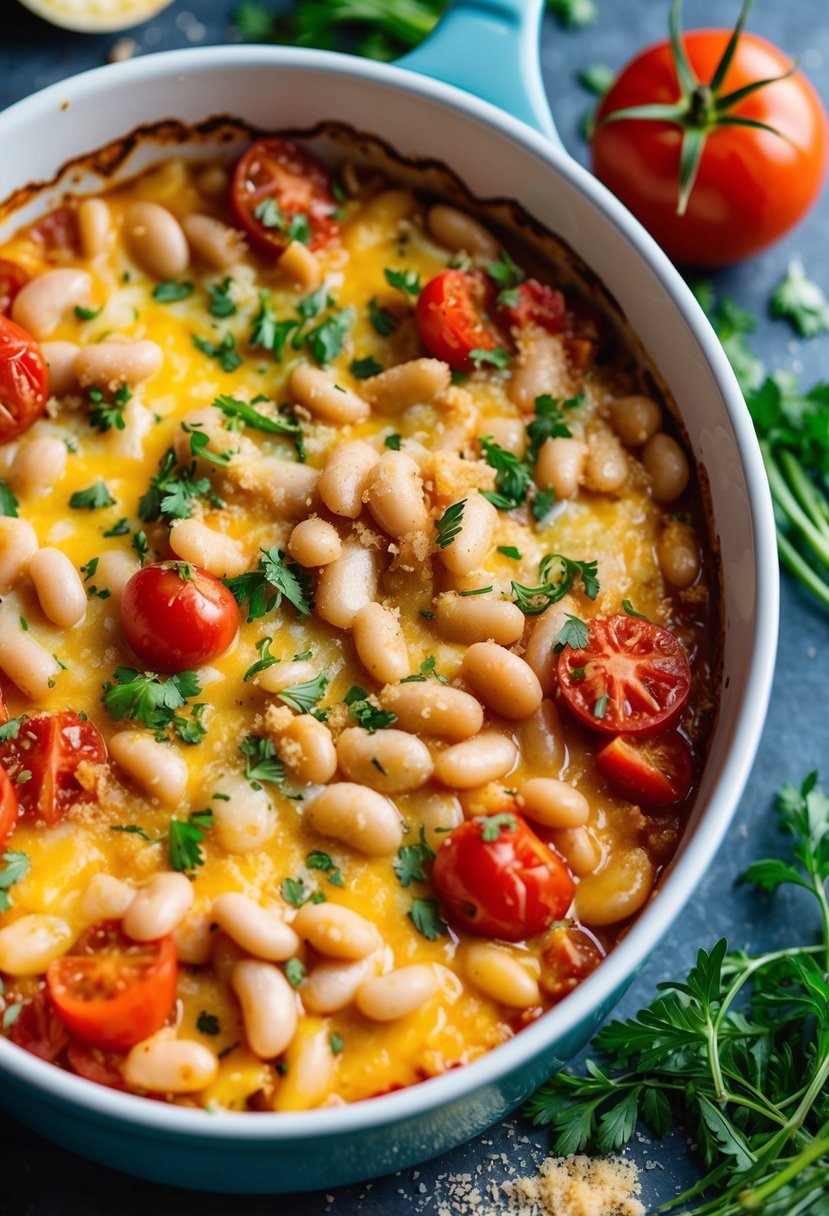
(59, 588)
(508, 433)
(579, 848)
(209, 421)
(288, 488)
(215, 552)
(324, 398)
(617, 891)
(38, 466)
(477, 618)
(474, 540)
(213, 242)
(540, 368)
(678, 555)
(94, 225)
(347, 585)
(243, 818)
(380, 643)
(158, 908)
(555, 804)
(560, 466)
(343, 480)
(433, 709)
(105, 898)
(156, 240)
(500, 974)
(305, 746)
(194, 940)
(114, 570)
(606, 467)
(540, 653)
(118, 361)
(159, 771)
(27, 664)
(386, 998)
(361, 817)
(475, 761)
(18, 545)
(337, 931)
(259, 931)
(458, 231)
(269, 1010)
(29, 944)
(302, 266)
(331, 986)
(391, 761)
(314, 542)
(502, 680)
(167, 1065)
(439, 812)
(394, 492)
(60, 359)
(43, 302)
(283, 675)
(311, 1065)
(635, 419)
(417, 382)
(667, 464)
(542, 738)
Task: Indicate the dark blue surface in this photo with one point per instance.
(41, 1180)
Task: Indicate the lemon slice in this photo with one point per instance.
(95, 16)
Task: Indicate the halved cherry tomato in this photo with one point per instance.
(8, 807)
(57, 231)
(568, 956)
(176, 616)
(536, 304)
(95, 1065)
(495, 877)
(113, 992)
(49, 747)
(23, 380)
(654, 770)
(12, 278)
(453, 317)
(631, 676)
(276, 182)
(38, 1029)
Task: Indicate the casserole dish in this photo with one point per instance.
(270, 1153)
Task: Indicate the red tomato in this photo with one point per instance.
(568, 955)
(113, 992)
(752, 185)
(655, 771)
(57, 231)
(50, 747)
(38, 1029)
(8, 807)
(23, 380)
(631, 675)
(278, 172)
(452, 317)
(94, 1065)
(495, 877)
(536, 304)
(177, 616)
(12, 278)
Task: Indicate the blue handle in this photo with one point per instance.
(490, 48)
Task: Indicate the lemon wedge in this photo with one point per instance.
(95, 16)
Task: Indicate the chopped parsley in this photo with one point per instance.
(317, 860)
(296, 227)
(174, 489)
(549, 422)
(392, 442)
(534, 600)
(427, 668)
(143, 697)
(208, 1023)
(121, 528)
(425, 916)
(600, 708)
(11, 729)
(364, 713)
(220, 302)
(88, 572)
(411, 858)
(510, 551)
(574, 633)
(336, 1043)
(294, 893)
(363, 369)
(265, 660)
(498, 357)
(184, 840)
(449, 524)
(303, 697)
(294, 968)
(261, 761)
(264, 588)
(513, 476)
(244, 414)
(326, 340)
(171, 291)
(225, 352)
(87, 314)
(493, 825)
(8, 501)
(407, 281)
(106, 415)
(16, 866)
(631, 611)
(383, 322)
(92, 498)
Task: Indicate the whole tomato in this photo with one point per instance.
(495, 877)
(726, 168)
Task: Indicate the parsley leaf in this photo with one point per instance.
(244, 413)
(293, 892)
(631, 611)
(303, 697)
(573, 632)
(184, 839)
(263, 589)
(208, 1023)
(732, 325)
(407, 281)
(171, 291)
(505, 272)
(173, 490)
(265, 660)
(548, 423)
(92, 498)
(326, 339)
(224, 352)
(294, 967)
(318, 860)
(493, 825)
(11, 729)
(220, 302)
(499, 357)
(534, 600)
(8, 501)
(366, 714)
(411, 859)
(512, 476)
(449, 524)
(393, 442)
(364, 369)
(108, 414)
(16, 867)
(425, 916)
(510, 551)
(384, 322)
(427, 668)
(261, 761)
(144, 697)
(801, 301)
(573, 14)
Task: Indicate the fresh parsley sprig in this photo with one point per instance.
(557, 574)
(145, 697)
(273, 580)
(16, 866)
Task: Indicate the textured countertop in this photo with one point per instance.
(42, 1180)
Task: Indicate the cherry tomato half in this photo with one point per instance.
(652, 770)
(23, 380)
(752, 185)
(177, 616)
(631, 676)
(568, 955)
(536, 304)
(38, 1029)
(452, 317)
(49, 747)
(277, 182)
(8, 807)
(12, 278)
(495, 877)
(113, 992)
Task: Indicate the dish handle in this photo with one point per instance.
(491, 49)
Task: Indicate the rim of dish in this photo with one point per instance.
(695, 852)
